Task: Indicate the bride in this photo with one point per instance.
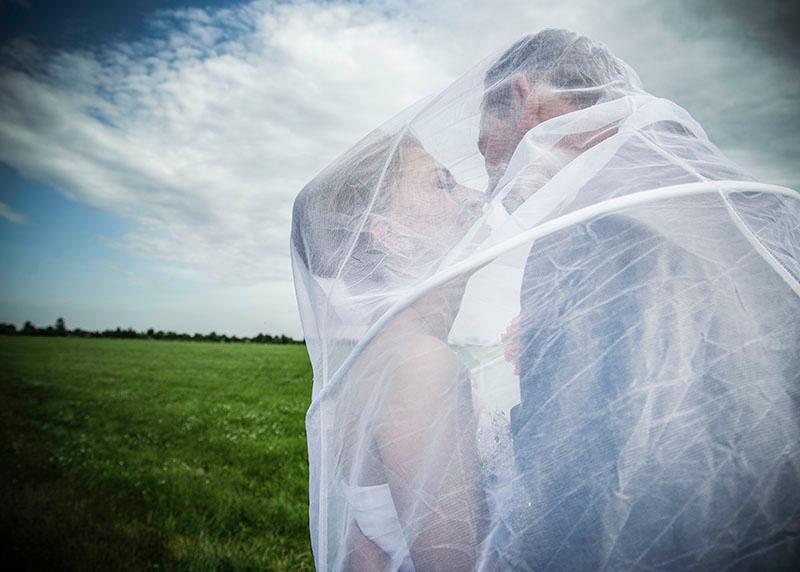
(404, 454)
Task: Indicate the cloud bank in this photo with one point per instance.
(202, 132)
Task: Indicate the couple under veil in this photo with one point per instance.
(552, 327)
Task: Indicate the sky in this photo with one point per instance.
(150, 150)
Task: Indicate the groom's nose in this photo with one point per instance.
(494, 134)
(495, 161)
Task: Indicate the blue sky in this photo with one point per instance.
(59, 249)
(64, 260)
(150, 150)
(84, 22)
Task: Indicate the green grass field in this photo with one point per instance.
(144, 455)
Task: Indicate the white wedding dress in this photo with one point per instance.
(373, 509)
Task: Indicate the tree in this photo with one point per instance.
(8, 329)
(61, 327)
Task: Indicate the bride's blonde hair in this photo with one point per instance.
(330, 227)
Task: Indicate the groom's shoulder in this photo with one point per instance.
(605, 239)
(614, 229)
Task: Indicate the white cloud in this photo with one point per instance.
(10, 214)
(203, 132)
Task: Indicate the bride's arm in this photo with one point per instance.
(426, 437)
(363, 553)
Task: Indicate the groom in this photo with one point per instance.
(578, 417)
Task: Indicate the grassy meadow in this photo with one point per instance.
(151, 455)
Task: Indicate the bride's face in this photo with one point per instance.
(428, 213)
(428, 208)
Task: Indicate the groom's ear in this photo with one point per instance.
(528, 104)
(520, 87)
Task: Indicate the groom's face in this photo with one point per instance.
(502, 125)
(507, 114)
(496, 142)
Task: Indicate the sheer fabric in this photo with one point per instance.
(558, 325)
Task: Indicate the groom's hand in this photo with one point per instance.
(510, 341)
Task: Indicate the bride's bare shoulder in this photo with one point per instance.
(417, 366)
(409, 351)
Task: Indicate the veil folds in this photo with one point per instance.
(572, 347)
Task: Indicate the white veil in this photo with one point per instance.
(552, 327)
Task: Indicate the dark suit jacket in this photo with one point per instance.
(658, 423)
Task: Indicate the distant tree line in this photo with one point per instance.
(60, 329)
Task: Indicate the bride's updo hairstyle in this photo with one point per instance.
(332, 214)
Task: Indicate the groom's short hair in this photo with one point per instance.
(560, 59)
